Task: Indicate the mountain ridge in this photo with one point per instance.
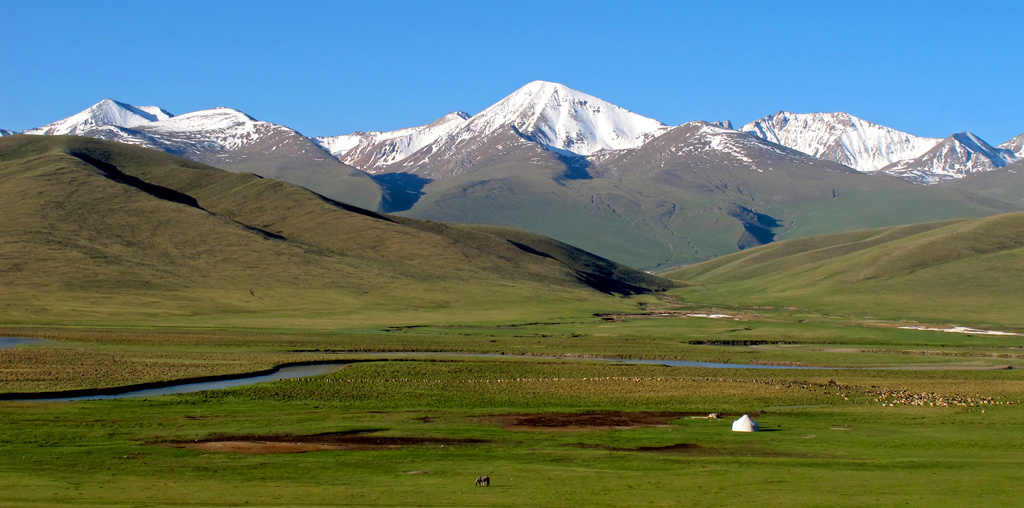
(840, 137)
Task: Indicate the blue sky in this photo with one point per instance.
(929, 68)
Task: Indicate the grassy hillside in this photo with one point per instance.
(104, 232)
(1006, 183)
(960, 272)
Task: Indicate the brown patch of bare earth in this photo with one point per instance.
(591, 420)
(676, 448)
(287, 443)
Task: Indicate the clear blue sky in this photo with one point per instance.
(929, 68)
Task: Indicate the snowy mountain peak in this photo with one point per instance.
(1015, 145)
(208, 119)
(371, 150)
(5, 132)
(956, 156)
(559, 117)
(840, 137)
(105, 112)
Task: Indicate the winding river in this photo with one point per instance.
(306, 369)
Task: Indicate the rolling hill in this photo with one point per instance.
(102, 231)
(959, 272)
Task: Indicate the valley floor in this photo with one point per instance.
(900, 416)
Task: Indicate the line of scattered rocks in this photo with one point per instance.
(887, 397)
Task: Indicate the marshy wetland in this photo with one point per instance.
(549, 410)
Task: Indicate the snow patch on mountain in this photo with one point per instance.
(105, 112)
(840, 137)
(5, 132)
(957, 156)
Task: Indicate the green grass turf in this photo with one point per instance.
(959, 273)
(107, 452)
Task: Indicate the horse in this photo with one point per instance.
(484, 481)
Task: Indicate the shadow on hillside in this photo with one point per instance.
(575, 167)
(758, 228)
(401, 190)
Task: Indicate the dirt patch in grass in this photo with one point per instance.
(289, 443)
(595, 420)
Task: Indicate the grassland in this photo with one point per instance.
(418, 433)
(960, 272)
(413, 430)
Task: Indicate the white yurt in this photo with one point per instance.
(744, 424)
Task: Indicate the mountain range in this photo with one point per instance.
(568, 165)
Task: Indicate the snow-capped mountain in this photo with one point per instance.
(372, 150)
(551, 115)
(958, 155)
(1015, 145)
(105, 112)
(228, 139)
(559, 117)
(840, 137)
(5, 132)
(213, 132)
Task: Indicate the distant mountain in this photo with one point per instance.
(840, 137)
(92, 228)
(105, 112)
(691, 193)
(5, 132)
(228, 139)
(1015, 145)
(553, 116)
(370, 151)
(955, 157)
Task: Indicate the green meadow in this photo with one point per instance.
(935, 421)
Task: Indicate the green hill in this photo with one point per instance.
(962, 272)
(1005, 183)
(96, 231)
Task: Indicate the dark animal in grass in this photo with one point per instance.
(484, 481)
